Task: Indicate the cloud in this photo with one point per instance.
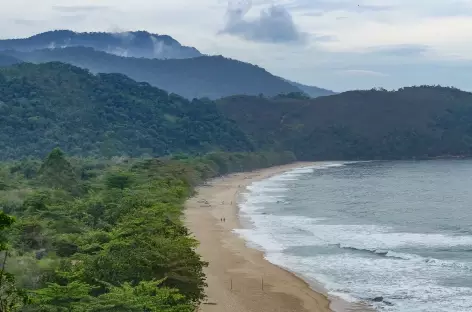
(27, 22)
(336, 5)
(386, 43)
(400, 50)
(274, 24)
(125, 36)
(79, 8)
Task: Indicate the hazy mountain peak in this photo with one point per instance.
(128, 44)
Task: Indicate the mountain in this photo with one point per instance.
(7, 60)
(413, 122)
(58, 105)
(129, 44)
(199, 77)
(311, 91)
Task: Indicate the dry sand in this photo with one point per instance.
(239, 278)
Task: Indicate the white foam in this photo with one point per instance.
(410, 282)
(301, 170)
(410, 286)
(367, 237)
(263, 241)
(344, 296)
(330, 165)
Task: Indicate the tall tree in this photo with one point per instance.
(12, 298)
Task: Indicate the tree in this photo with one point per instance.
(148, 296)
(57, 172)
(11, 297)
(58, 298)
(120, 180)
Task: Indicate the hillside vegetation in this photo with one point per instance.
(414, 122)
(59, 105)
(87, 235)
(206, 76)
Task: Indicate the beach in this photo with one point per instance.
(239, 278)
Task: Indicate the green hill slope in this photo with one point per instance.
(411, 122)
(55, 104)
(205, 76)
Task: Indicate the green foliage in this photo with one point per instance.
(57, 298)
(414, 122)
(58, 105)
(119, 244)
(30, 234)
(56, 172)
(5, 222)
(12, 298)
(120, 180)
(146, 296)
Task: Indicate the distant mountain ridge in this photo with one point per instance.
(157, 59)
(127, 44)
(205, 76)
(311, 91)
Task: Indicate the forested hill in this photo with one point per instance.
(205, 76)
(411, 122)
(55, 104)
(133, 43)
(7, 60)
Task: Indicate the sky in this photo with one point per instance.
(335, 44)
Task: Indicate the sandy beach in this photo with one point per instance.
(239, 278)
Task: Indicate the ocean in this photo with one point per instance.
(396, 235)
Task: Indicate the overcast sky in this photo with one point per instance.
(335, 44)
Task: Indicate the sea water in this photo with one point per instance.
(396, 232)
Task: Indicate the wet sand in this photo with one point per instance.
(239, 278)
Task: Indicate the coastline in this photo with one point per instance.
(239, 278)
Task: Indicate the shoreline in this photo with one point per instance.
(239, 277)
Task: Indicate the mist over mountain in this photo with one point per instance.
(205, 76)
(127, 44)
(157, 59)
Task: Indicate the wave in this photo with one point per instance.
(414, 257)
(409, 286)
(377, 252)
(273, 189)
(375, 238)
(362, 261)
